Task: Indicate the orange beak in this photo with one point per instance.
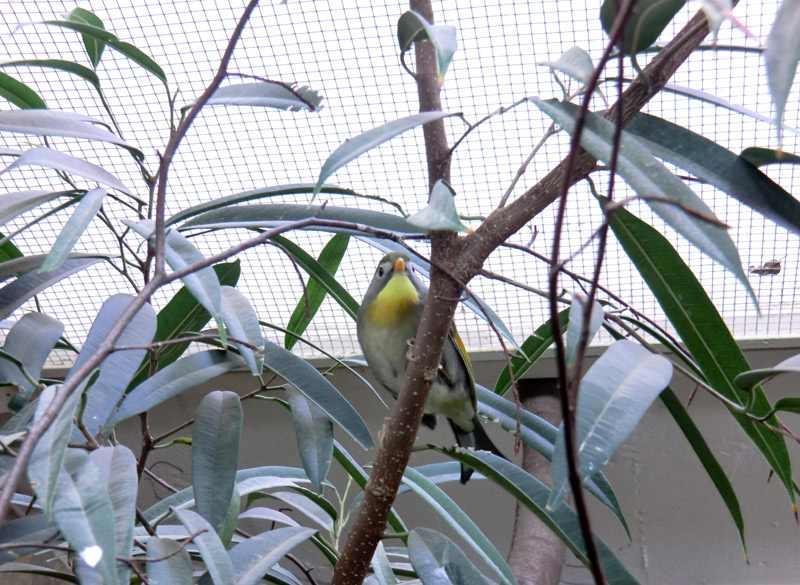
(399, 265)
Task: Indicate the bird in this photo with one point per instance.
(387, 323)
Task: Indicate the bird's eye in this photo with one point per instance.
(380, 271)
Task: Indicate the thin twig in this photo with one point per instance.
(521, 170)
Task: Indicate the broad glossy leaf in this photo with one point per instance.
(528, 353)
(83, 511)
(242, 323)
(215, 454)
(271, 94)
(437, 560)
(460, 522)
(210, 546)
(81, 218)
(648, 177)
(94, 47)
(181, 375)
(782, 56)
(253, 557)
(89, 31)
(314, 431)
(702, 330)
(440, 213)
(47, 459)
(355, 147)
(413, 27)
(329, 260)
(180, 316)
(473, 302)
(576, 317)
(17, 203)
(175, 568)
(575, 62)
(540, 435)
(318, 390)
(53, 159)
(272, 215)
(647, 21)
(180, 253)
(320, 274)
(60, 65)
(759, 157)
(117, 468)
(533, 494)
(117, 369)
(613, 396)
(20, 94)
(30, 340)
(719, 166)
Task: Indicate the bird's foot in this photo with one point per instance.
(410, 353)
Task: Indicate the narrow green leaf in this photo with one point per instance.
(174, 566)
(15, 204)
(646, 23)
(268, 514)
(648, 178)
(15, 293)
(181, 253)
(20, 94)
(318, 390)
(355, 147)
(181, 375)
(460, 522)
(128, 50)
(533, 494)
(413, 27)
(60, 65)
(270, 94)
(182, 315)
(759, 157)
(83, 511)
(56, 123)
(53, 159)
(701, 329)
(750, 379)
(437, 560)
(253, 557)
(117, 369)
(30, 340)
(231, 519)
(714, 470)
(528, 353)
(314, 431)
(8, 251)
(94, 47)
(215, 454)
(718, 166)
(576, 317)
(242, 323)
(329, 260)
(613, 396)
(782, 56)
(117, 467)
(210, 546)
(47, 459)
(81, 218)
(440, 213)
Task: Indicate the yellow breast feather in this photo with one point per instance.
(394, 302)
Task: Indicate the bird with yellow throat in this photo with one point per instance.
(387, 323)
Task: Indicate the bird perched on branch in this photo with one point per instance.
(387, 324)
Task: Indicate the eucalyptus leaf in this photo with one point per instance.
(17, 203)
(253, 557)
(647, 21)
(750, 379)
(53, 159)
(30, 341)
(174, 566)
(215, 455)
(413, 27)
(437, 560)
(575, 62)
(81, 218)
(759, 157)
(181, 375)
(355, 147)
(612, 398)
(314, 431)
(272, 94)
(782, 56)
(210, 546)
(20, 94)
(242, 323)
(575, 327)
(94, 47)
(60, 65)
(440, 213)
(55, 123)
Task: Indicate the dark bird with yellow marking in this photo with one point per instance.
(387, 323)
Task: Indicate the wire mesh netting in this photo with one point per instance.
(349, 53)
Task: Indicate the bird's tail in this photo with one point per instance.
(475, 439)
